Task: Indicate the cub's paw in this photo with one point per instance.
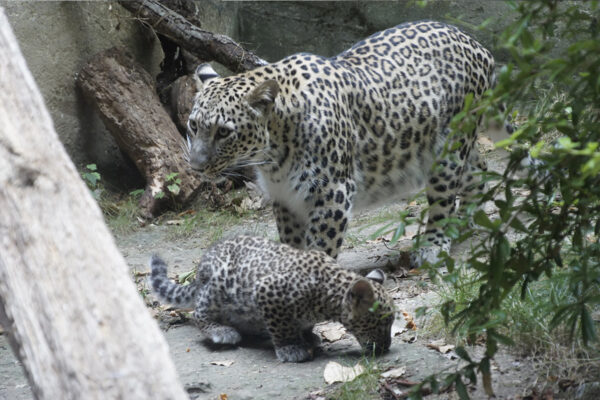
(223, 335)
(293, 353)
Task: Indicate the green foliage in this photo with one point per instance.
(121, 212)
(173, 186)
(549, 212)
(91, 175)
(364, 386)
(92, 178)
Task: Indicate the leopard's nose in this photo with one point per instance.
(198, 161)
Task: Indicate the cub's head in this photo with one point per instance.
(368, 313)
(228, 123)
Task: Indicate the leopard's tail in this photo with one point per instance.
(178, 295)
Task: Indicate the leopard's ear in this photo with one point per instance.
(376, 275)
(203, 74)
(361, 296)
(262, 97)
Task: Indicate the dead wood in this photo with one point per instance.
(72, 313)
(126, 99)
(205, 45)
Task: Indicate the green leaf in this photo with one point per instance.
(435, 387)
(171, 176)
(398, 233)
(461, 389)
(382, 231)
(502, 339)
(452, 231)
(518, 225)
(136, 193)
(91, 167)
(481, 219)
(174, 188)
(470, 374)
(587, 326)
(462, 353)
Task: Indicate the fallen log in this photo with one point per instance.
(205, 45)
(67, 303)
(124, 94)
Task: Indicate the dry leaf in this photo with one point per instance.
(175, 222)
(440, 346)
(410, 323)
(224, 363)
(333, 334)
(394, 373)
(447, 348)
(223, 396)
(248, 204)
(335, 372)
(186, 212)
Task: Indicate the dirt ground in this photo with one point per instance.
(251, 371)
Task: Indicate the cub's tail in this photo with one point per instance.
(178, 295)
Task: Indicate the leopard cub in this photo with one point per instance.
(256, 286)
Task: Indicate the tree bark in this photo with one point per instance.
(70, 308)
(125, 96)
(206, 45)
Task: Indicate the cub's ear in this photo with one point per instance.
(376, 275)
(361, 296)
(262, 97)
(203, 74)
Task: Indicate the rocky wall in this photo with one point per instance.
(57, 38)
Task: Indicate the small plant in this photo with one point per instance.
(92, 177)
(364, 386)
(173, 185)
(121, 213)
(549, 213)
(136, 193)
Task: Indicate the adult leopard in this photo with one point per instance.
(331, 135)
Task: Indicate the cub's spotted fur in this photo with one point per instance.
(253, 285)
(330, 135)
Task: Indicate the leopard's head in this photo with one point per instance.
(228, 123)
(368, 313)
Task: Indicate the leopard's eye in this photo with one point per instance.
(192, 125)
(222, 133)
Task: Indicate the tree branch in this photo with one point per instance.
(67, 302)
(206, 45)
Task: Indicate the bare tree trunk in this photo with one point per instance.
(206, 45)
(71, 310)
(125, 96)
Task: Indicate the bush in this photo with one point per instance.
(551, 209)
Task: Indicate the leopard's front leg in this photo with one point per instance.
(329, 217)
(293, 342)
(443, 186)
(290, 227)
